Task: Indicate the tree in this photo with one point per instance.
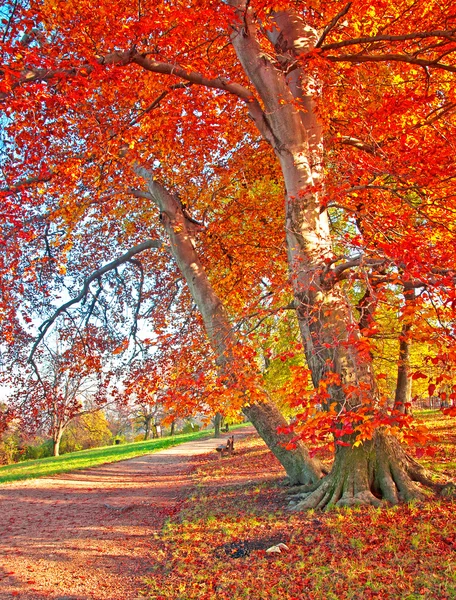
(120, 419)
(145, 390)
(115, 113)
(89, 430)
(58, 390)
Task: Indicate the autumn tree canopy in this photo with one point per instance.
(232, 164)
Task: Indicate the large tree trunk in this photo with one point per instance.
(332, 341)
(300, 468)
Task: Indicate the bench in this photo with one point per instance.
(227, 449)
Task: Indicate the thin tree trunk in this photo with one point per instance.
(147, 424)
(57, 428)
(404, 382)
(56, 439)
(403, 393)
(217, 424)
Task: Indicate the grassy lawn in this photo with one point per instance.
(84, 459)
(214, 547)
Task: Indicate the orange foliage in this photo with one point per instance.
(90, 92)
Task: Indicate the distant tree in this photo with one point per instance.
(88, 430)
(147, 415)
(60, 388)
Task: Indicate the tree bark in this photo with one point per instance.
(147, 426)
(217, 425)
(322, 309)
(403, 393)
(379, 468)
(300, 468)
(56, 439)
(265, 417)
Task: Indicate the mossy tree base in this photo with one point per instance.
(378, 471)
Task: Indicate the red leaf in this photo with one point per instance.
(418, 375)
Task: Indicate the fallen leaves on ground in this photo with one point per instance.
(216, 546)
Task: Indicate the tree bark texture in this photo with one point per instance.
(323, 311)
(379, 468)
(265, 417)
(300, 468)
(56, 439)
(217, 425)
(403, 393)
(147, 426)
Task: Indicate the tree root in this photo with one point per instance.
(379, 471)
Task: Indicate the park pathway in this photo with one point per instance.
(86, 535)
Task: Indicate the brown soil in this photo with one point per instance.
(86, 535)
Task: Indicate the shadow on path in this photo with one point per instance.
(85, 535)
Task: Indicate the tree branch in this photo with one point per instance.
(336, 273)
(156, 102)
(449, 35)
(124, 58)
(332, 24)
(126, 257)
(347, 140)
(219, 83)
(421, 62)
(20, 185)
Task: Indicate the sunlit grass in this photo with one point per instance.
(443, 458)
(43, 467)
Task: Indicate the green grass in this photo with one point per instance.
(43, 467)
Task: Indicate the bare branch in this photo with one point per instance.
(157, 101)
(421, 62)
(347, 140)
(266, 313)
(450, 35)
(138, 264)
(332, 24)
(126, 257)
(10, 20)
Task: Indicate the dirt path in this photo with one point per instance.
(85, 535)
